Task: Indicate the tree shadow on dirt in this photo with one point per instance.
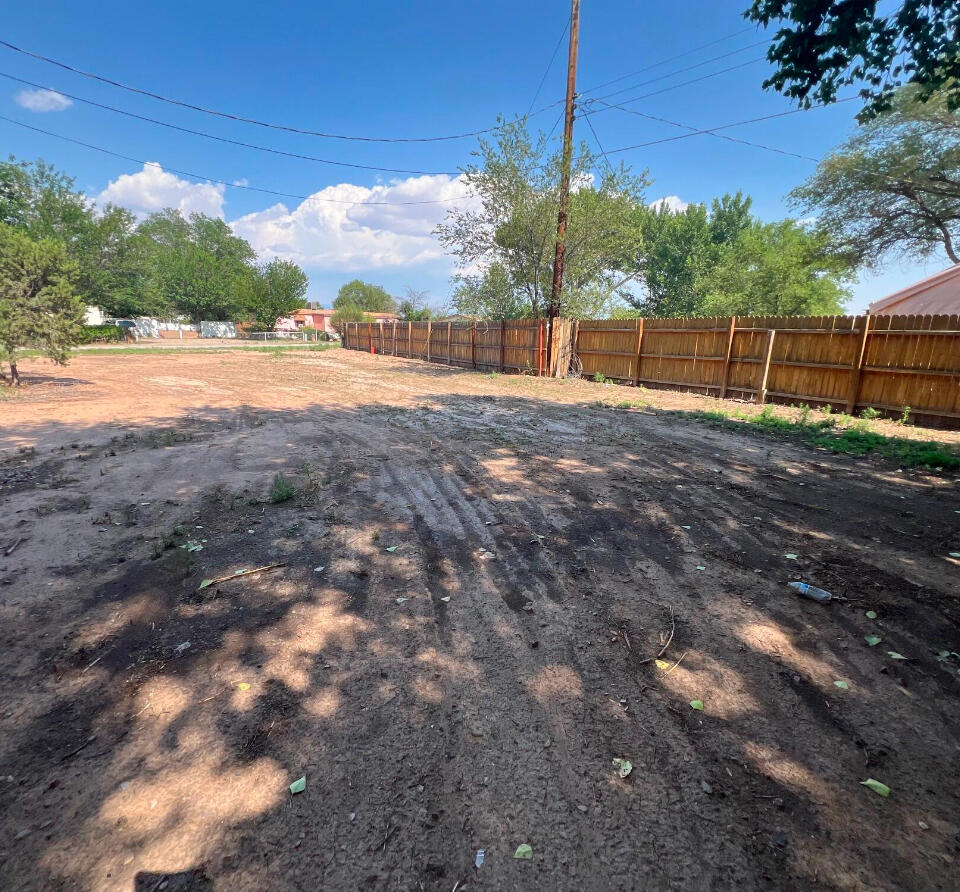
(462, 636)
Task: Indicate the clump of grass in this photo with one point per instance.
(281, 490)
(838, 433)
(599, 377)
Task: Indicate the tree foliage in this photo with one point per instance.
(413, 308)
(39, 308)
(511, 236)
(277, 290)
(346, 313)
(822, 45)
(371, 298)
(166, 265)
(724, 261)
(893, 188)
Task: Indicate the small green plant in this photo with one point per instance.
(599, 377)
(905, 417)
(870, 414)
(493, 375)
(803, 417)
(281, 490)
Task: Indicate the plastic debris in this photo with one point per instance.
(319, 569)
(184, 646)
(706, 787)
(523, 852)
(697, 705)
(871, 614)
(393, 548)
(881, 789)
(842, 685)
(872, 640)
(896, 656)
(821, 596)
(701, 567)
(402, 600)
(478, 861)
(298, 786)
(790, 556)
(445, 599)
(684, 527)
(623, 766)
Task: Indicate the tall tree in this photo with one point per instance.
(512, 234)
(39, 308)
(277, 290)
(413, 308)
(372, 298)
(489, 295)
(893, 188)
(822, 45)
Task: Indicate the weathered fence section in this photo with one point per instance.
(506, 346)
(887, 363)
(850, 362)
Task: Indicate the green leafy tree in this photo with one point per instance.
(39, 308)
(513, 233)
(822, 45)
(277, 290)
(779, 269)
(893, 188)
(346, 313)
(371, 298)
(724, 261)
(37, 198)
(413, 308)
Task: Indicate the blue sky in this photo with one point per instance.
(396, 70)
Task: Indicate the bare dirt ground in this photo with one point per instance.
(477, 573)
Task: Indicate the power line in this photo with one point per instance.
(653, 65)
(694, 80)
(220, 181)
(246, 120)
(553, 57)
(599, 145)
(224, 139)
(669, 74)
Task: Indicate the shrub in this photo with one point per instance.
(281, 490)
(101, 334)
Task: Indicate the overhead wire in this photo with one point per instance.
(222, 181)
(223, 139)
(553, 57)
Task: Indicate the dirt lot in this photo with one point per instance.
(477, 573)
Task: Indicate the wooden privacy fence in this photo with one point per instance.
(506, 346)
(883, 362)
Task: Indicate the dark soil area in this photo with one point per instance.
(489, 589)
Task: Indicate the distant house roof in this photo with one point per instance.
(939, 293)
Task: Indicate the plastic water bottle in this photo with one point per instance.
(811, 592)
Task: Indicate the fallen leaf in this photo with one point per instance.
(445, 599)
(895, 656)
(623, 766)
(955, 554)
(319, 569)
(697, 704)
(523, 851)
(298, 786)
(790, 556)
(206, 582)
(243, 686)
(661, 664)
(402, 600)
(684, 527)
(871, 614)
(842, 685)
(706, 787)
(879, 788)
(872, 640)
(393, 548)
(701, 567)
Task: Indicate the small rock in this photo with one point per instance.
(780, 839)
(924, 825)
(706, 787)
(582, 808)
(23, 834)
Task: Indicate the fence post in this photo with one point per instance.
(540, 349)
(409, 340)
(394, 337)
(726, 363)
(370, 335)
(857, 368)
(449, 336)
(762, 389)
(429, 332)
(636, 374)
(503, 338)
(473, 344)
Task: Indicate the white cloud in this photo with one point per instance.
(243, 181)
(672, 202)
(42, 100)
(356, 236)
(153, 189)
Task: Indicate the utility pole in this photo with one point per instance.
(566, 164)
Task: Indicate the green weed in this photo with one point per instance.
(281, 490)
